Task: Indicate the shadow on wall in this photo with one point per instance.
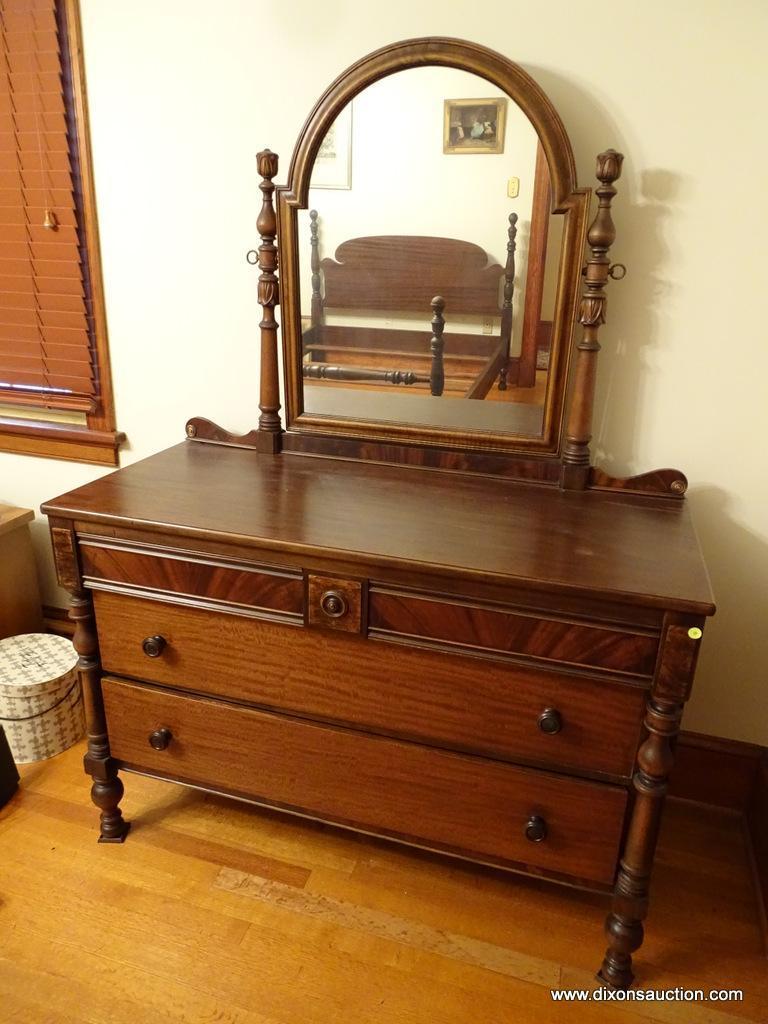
(731, 680)
(635, 317)
(635, 308)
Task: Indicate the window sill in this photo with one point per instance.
(60, 441)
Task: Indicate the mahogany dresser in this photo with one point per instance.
(476, 644)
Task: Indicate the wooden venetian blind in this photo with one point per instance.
(47, 352)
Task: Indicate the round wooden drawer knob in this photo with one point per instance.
(160, 738)
(535, 829)
(154, 646)
(550, 721)
(333, 604)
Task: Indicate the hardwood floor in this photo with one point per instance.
(218, 912)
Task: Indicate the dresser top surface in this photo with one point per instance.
(612, 544)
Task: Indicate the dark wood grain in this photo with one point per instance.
(106, 563)
(479, 808)
(681, 641)
(462, 624)
(617, 546)
(510, 467)
(459, 702)
(402, 273)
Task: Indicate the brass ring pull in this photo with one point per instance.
(252, 257)
(617, 271)
(333, 604)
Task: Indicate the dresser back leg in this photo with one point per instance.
(107, 789)
(624, 924)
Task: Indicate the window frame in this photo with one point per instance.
(98, 441)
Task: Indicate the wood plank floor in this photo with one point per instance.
(214, 911)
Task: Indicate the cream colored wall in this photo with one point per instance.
(183, 93)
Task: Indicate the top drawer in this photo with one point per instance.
(451, 621)
(275, 592)
(437, 621)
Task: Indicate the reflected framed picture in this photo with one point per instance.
(333, 163)
(474, 126)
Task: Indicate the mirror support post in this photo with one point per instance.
(509, 288)
(436, 346)
(601, 235)
(269, 421)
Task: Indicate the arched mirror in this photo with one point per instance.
(430, 281)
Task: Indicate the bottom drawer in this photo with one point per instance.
(453, 802)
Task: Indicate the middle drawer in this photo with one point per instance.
(545, 718)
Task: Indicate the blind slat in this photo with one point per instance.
(30, 317)
(34, 160)
(31, 122)
(17, 333)
(45, 286)
(58, 349)
(34, 215)
(30, 102)
(26, 20)
(32, 62)
(47, 318)
(21, 196)
(41, 379)
(27, 37)
(29, 6)
(32, 142)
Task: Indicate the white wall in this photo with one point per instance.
(182, 95)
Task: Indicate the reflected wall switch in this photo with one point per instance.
(487, 325)
(513, 188)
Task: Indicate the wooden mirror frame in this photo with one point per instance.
(567, 199)
(561, 455)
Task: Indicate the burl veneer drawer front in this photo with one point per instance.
(272, 590)
(542, 717)
(614, 649)
(485, 809)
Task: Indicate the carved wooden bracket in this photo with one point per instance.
(201, 429)
(670, 483)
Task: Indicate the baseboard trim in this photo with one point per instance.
(717, 771)
(734, 775)
(57, 621)
(708, 770)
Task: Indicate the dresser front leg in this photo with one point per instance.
(107, 789)
(624, 924)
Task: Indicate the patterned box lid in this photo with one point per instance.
(34, 664)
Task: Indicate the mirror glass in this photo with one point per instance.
(429, 259)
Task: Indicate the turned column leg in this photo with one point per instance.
(107, 789)
(624, 924)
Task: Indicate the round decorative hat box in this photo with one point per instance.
(41, 704)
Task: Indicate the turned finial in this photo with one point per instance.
(601, 236)
(316, 308)
(437, 372)
(509, 289)
(269, 297)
